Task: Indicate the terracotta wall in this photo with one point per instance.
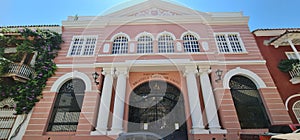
(273, 56)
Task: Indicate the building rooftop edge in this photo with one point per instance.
(269, 29)
(24, 26)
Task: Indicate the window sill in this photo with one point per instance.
(224, 53)
(295, 80)
(75, 56)
(60, 133)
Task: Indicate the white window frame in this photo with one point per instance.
(122, 46)
(228, 42)
(84, 50)
(145, 44)
(168, 44)
(296, 110)
(191, 46)
(291, 55)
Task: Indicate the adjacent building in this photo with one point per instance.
(159, 67)
(279, 48)
(19, 70)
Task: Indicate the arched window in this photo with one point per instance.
(296, 110)
(248, 104)
(190, 43)
(145, 44)
(120, 45)
(165, 44)
(67, 107)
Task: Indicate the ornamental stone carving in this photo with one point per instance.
(155, 12)
(7, 102)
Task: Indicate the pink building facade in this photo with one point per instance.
(157, 67)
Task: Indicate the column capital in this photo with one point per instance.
(108, 71)
(121, 70)
(204, 69)
(190, 69)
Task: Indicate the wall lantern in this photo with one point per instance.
(95, 76)
(219, 75)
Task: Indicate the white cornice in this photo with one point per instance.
(75, 65)
(157, 20)
(162, 63)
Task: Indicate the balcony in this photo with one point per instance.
(20, 72)
(295, 74)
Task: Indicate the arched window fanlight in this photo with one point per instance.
(296, 110)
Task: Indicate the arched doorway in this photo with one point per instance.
(158, 107)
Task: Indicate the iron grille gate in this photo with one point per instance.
(158, 107)
(249, 106)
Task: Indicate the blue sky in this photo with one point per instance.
(262, 13)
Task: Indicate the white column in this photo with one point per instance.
(104, 108)
(209, 102)
(195, 109)
(294, 49)
(117, 123)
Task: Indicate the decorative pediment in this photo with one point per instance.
(150, 8)
(154, 12)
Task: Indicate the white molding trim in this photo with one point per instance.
(190, 32)
(168, 33)
(120, 34)
(244, 72)
(219, 63)
(288, 100)
(144, 34)
(75, 65)
(61, 80)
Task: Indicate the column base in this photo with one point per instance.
(199, 131)
(115, 132)
(99, 132)
(217, 131)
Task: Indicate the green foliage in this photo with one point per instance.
(46, 43)
(287, 65)
(4, 63)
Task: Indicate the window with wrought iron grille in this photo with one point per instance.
(165, 44)
(120, 45)
(83, 46)
(248, 103)
(229, 43)
(145, 44)
(7, 120)
(296, 110)
(67, 107)
(190, 43)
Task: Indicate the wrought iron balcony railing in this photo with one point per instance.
(20, 72)
(295, 74)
